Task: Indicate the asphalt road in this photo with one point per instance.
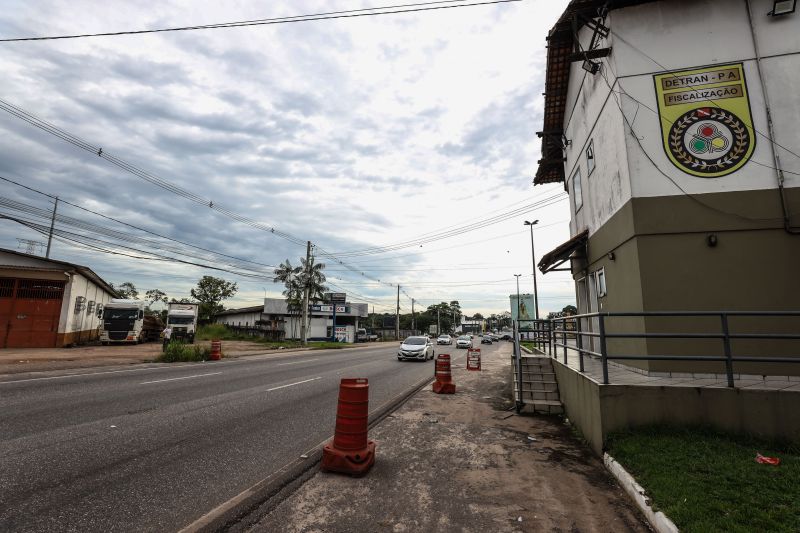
(155, 448)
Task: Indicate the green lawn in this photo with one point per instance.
(706, 481)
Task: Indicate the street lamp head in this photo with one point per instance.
(532, 223)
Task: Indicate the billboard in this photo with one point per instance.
(526, 307)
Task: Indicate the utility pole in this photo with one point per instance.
(438, 321)
(303, 326)
(413, 317)
(397, 316)
(52, 224)
(517, 276)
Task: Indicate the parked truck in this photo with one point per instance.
(124, 321)
(182, 318)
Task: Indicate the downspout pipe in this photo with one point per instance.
(787, 226)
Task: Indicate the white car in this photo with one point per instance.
(464, 341)
(417, 348)
(445, 339)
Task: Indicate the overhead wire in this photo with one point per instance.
(353, 13)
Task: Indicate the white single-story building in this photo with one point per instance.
(46, 303)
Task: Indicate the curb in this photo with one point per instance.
(658, 520)
(247, 508)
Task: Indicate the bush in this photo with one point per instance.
(213, 331)
(178, 352)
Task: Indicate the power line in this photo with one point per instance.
(353, 13)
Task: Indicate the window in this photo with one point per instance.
(577, 196)
(590, 157)
(90, 307)
(600, 279)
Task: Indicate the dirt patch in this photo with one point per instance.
(19, 360)
(460, 463)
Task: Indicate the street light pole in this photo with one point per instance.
(533, 259)
(517, 276)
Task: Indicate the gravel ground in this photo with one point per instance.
(464, 462)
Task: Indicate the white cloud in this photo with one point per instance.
(351, 133)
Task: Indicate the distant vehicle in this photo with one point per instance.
(182, 318)
(495, 337)
(506, 337)
(124, 321)
(464, 341)
(361, 335)
(486, 340)
(417, 348)
(445, 339)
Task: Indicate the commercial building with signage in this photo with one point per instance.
(673, 127)
(46, 303)
(349, 317)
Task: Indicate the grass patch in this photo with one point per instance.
(326, 345)
(178, 352)
(709, 481)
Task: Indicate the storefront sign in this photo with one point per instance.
(329, 308)
(706, 123)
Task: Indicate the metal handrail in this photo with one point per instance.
(725, 335)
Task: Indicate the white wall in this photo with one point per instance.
(71, 321)
(679, 34)
(240, 319)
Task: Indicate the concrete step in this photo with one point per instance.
(536, 376)
(551, 407)
(540, 395)
(549, 386)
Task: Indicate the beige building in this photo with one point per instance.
(46, 303)
(673, 127)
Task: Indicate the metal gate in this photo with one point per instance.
(29, 312)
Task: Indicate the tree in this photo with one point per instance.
(311, 275)
(288, 275)
(156, 295)
(477, 316)
(570, 310)
(126, 290)
(210, 292)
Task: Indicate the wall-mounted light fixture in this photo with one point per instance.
(591, 67)
(611, 256)
(711, 240)
(782, 7)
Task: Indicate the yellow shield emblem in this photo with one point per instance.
(705, 119)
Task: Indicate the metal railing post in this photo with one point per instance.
(726, 342)
(603, 350)
(579, 342)
(564, 338)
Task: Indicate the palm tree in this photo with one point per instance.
(312, 272)
(289, 276)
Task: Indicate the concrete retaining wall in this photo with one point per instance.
(597, 410)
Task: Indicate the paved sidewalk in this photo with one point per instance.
(464, 462)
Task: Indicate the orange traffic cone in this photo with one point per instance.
(444, 380)
(216, 350)
(350, 452)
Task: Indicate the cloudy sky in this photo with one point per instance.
(402, 144)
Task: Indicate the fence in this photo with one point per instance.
(590, 330)
(255, 331)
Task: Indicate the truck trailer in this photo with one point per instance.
(124, 321)
(182, 318)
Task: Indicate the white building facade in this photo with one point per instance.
(673, 127)
(46, 303)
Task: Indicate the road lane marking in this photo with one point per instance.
(183, 377)
(292, 384)
(90, 374)
(297, 362)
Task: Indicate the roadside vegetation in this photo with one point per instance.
(709, 481)
(178, 352)
(220, 332)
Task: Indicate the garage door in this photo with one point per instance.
(29, 312)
